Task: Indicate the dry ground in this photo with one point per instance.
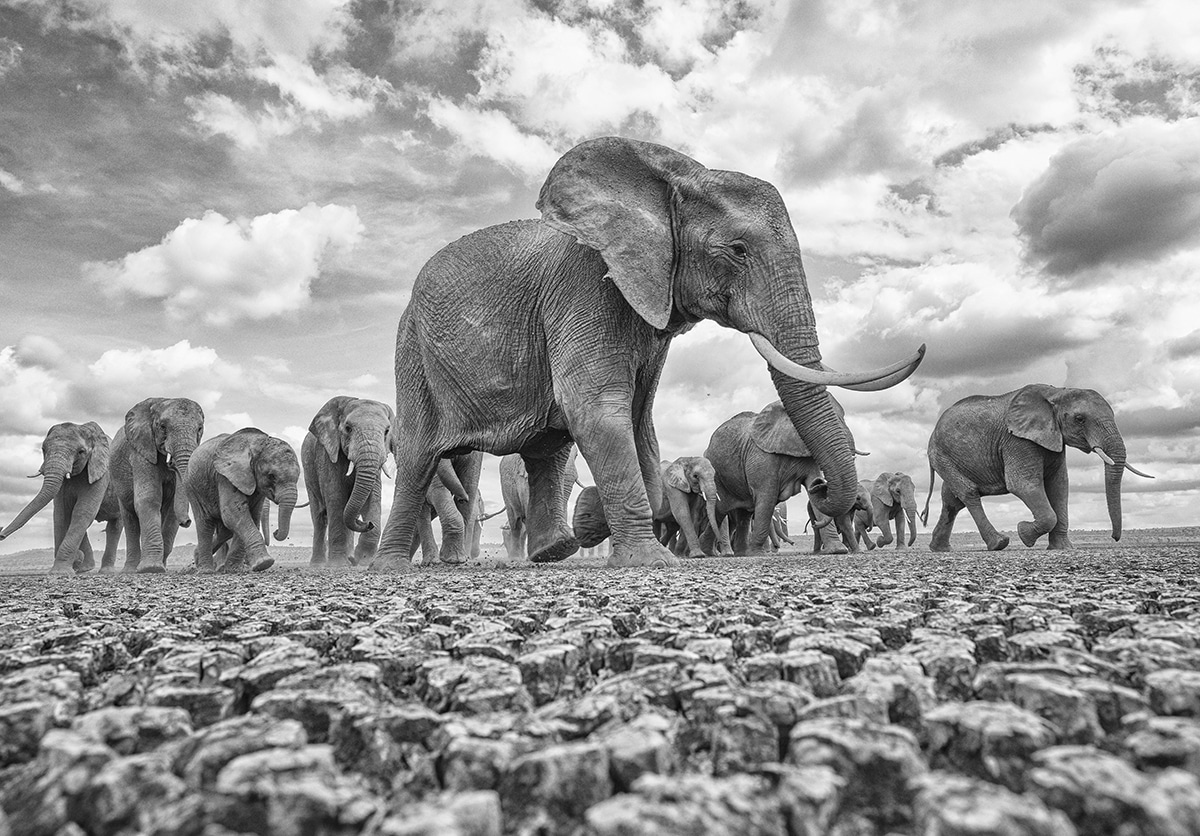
(879, 693)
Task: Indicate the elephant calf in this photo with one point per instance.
(227, 481)
(824, 541)
(75, 475)
(893, 496)
(987, 445)
(689, 497)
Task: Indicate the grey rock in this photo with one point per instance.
(475, 813)
(1174, 691)
(550, 789)
(989, 740)
(741, 805)
(813, 669)
(134, 729)
(956, 805)
(200, 758)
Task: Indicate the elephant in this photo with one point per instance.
(344, 451)
(760, 461)
(149, 462)
(893, 497)
(689, 494)
(514, 488)
(823, 541)
(990, 445)
(530, 335)
(230, 477)
(453, 498)
(778, 533)
(864, 519)
(75, 474)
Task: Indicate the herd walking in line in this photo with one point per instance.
(537, 339)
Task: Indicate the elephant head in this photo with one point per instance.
(862, 502)
(890, 490)
(361, 431)
(690, 475)
(683, 243)
(69, 450)
(1081, 418)
(254, 462)
(169, 428)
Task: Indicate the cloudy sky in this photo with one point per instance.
(230, 201)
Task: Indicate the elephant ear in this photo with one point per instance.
(772, 431)
(139, 428)
(674, 476)
(325, 426)
(616, 196)
(1031, 416)
(98, 460)
(235, 463)
(882, 490)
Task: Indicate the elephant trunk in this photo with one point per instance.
(285, 498)
(179, 463)
(812, 413)
(1114, 446)
(908, 501)
(709, 484)
(54, 470)
(366, 474)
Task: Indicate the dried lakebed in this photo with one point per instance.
(971, 693)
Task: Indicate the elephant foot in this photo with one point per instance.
(108, 569)
(936, 546)
(84, 564)
(263, 565)
(1060, 543)
(1028, 533)
(235, 567)
(62, 567)
(560, 549)
(999, 544)
(129, 568)
(837, 548)
(391, 566)
(880, 542)
(652, 556)
(696, 553)
(151, 568)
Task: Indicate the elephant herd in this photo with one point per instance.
(534, 339)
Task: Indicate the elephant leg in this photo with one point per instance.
(939, 538)
(414, 470)
(884, 521)
(427, 541)
(739, 532)
(368, 541)
(238, 516)
(147, 503)
(442, 503)
(337, 535)
(760, 524)
(78, 513)
(133, 539)
(1033, 494)
(170, 529)
(605, 438)
(1057, 491)
(319, 513)
(994, 539)
(61, 520)
(260, 510)
(112, 539)
(550, 536)
(845, 527)
(86, 561)
(205, 562)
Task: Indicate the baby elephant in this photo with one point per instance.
(227, 480)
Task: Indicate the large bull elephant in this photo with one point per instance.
(343, 452)
(75, 475)
(523, 337)
(990, 445)
(231, 477)
(894, 497)
(149, 461)
(514, 488)
(760, 461)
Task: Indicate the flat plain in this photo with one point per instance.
(887, 692)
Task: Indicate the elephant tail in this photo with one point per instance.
(925, 513)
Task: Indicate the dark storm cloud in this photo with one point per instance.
(1129, 196)
(1160, 422)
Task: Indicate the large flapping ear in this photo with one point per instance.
(615, 195)
(773, 431)
(326, 425)
(675, 477)
(139, 428)
(881, 489)
(234, 461)
(98, 459)
(1031, 416)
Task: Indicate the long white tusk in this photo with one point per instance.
(1104, 457)
(350, 469)
(168, 459)
(1134, 470)
(858, 452)
(388, 469)
(859, 381)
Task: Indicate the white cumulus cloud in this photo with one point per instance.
(223, 269)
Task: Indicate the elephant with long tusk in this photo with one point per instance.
(526, 336)
(989, 445)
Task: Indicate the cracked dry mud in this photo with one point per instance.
(912, 693)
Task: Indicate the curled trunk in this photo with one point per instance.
(53, 472)
(366, 474)
(1114, 446)
(285, 498)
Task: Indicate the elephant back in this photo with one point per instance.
(773, 432)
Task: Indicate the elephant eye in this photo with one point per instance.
(738, 250)
(1080, 417)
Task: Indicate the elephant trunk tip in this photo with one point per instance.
(280, 536)
(185, 523)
